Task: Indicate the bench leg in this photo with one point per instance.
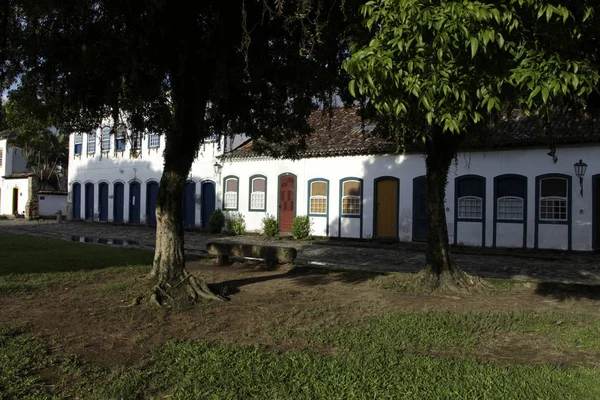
(271, 264)
(223, 260)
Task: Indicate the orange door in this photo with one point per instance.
(287, 202)
(387, 208)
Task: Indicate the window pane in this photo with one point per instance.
(510, 208)
(230, 200)
(258, 185)
(78, 139)
(106, 138)
(318, 189)
(231, 185)
(553, 187)
(470, 207)
(154, 140)
(318, 205)
(257, 201)
(553, 209)
(91, 143)
(352, 188)
(351, 205)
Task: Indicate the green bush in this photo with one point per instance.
(235, 224)
(270, 226)
(216, 221)
(301, 228)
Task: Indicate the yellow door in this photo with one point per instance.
(387, 208)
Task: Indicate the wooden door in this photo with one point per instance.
(134, 203)
(386, 197)
(118, 200)
(208, 201)
(15, 205)
(103, 202)
(151, 197)
(89, 201)
(597, 213)
(287, 202)
(189, 205)
(76, 201)
(420, 219)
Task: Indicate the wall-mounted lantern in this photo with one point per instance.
(580, 168)
(217, 167)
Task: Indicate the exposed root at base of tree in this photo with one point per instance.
(187, 286)
(451, 279)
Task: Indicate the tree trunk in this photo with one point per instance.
(190, 96)
(441, 271)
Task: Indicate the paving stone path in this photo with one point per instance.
(566, 267)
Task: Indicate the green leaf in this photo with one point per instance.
(474, 46)
(352, 87)
(545, 92)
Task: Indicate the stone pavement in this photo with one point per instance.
(546, 266)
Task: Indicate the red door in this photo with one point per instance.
(287, 202)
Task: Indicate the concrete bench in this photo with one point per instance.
(272, 255)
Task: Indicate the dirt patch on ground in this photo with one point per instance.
(88, 317)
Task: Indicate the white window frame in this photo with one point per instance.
(318, 197)
(121, 136)
(137, 144)
(91, 139)
(500, 207)
(105, 139)
(563, 202)
(153, 141)
(462, 207)
(78, 140)
(351, 198)
(230, 199)
(255, 196)
(1, 156)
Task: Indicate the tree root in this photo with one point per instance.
(166, 294)
(452, 279)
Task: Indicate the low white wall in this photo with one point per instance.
(50, 204)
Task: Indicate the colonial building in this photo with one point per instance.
(115, 177)
(21, 192)
(504, 190)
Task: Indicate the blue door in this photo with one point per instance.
(420, 219)
(89, 201)
(189, 205)
(151, 196)
(103, 201)
(76, 201)
(134, 202)
(118, 201)
(208, 201)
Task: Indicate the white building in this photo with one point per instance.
(115, 178)
(14, 178)
(351, 184)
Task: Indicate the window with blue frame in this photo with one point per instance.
(470, 197)
(258, 190)
(153, 141)
(78, 143)
(136, 141)
(91, 143)
(120, 138)
(351, 197)
(553, 199)
(318, 198)
(510, 198)
(105, 145)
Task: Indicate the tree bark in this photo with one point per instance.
(441, 271)
(189, 96)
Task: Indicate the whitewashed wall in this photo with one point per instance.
(117, 166)
(527, 162)
(50, 204)
(6, 195)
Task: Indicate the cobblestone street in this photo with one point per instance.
(547, 266)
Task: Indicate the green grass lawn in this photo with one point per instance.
(429, 354)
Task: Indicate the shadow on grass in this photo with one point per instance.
(23, 254)
(302, 276)
(565, 291)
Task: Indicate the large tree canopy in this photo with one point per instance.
(188, 70)
(435, 69)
